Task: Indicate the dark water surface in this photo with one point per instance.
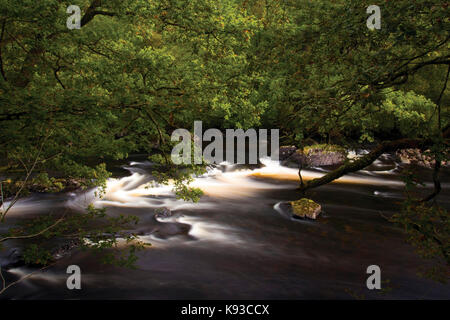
(237, 243)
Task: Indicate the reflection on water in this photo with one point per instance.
(238, 243)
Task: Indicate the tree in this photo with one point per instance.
(135, 71)
(70, 100)
(330, 78)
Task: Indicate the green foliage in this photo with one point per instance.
(325, 72)
(181, 177)
(94, 231)
(72, 100)
(121, 83)
(33, 254)
(324, 147)
(183, 191)
(407, 114)
(427, 228)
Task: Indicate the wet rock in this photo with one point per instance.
(319, 158)
(72, 185)
(316, 156)
(286, 152)
(171, 229)
(65, 249)
(418, 157)
(54, 185)
(305, 208)
(163, 228)
(297, 158)
(13, 259)
(163, 213)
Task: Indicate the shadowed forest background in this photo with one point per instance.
(74, 103)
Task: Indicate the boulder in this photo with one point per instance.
(326, 158)
(163, 213)
(13, 259)
(286, 152)
(316, 156)
(298, 158)
(65, 249)
(305, 208)
(418, 157)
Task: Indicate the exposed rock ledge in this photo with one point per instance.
(312, 156)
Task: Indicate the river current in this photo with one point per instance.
(237, 243)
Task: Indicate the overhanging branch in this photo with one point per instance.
(361, 163)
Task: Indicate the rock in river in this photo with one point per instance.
(13, 259)
(163, 213)
(286, 152)
(313, 156)
(306, 208)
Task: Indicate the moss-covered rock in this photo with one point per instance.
(41, 184)
(316, 156)
(305, 208)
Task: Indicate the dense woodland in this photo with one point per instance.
(72, 100)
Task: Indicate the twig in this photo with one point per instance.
(3, 202)
(6, 287)
(16, 196)
(440, 97)
(2, 70)
(35, 234)
(437, 164)
(3, 279)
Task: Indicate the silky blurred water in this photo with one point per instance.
(237, 243)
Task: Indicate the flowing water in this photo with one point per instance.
(237, 242)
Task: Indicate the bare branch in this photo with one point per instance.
(16, 196)
(6, 287)
(92, 11)
(35, 234)
(365, 161)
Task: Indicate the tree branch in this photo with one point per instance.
(1, 59)
(16, 196)
(6, 287)
(437, 164)
(92, 11)
(365, 161)
(35, 234)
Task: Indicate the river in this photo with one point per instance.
(237, 243)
